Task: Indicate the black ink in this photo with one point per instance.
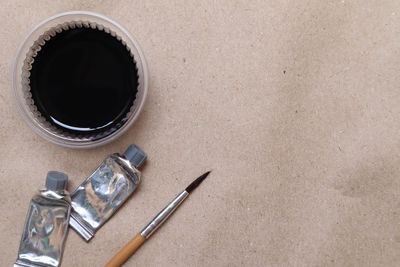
(84, 81)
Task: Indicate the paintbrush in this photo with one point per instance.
(139, 239)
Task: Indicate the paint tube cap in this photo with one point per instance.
(56, 181)
(135, 155)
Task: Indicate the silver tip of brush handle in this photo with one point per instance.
(163, 215)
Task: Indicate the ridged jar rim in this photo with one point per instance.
(20, 95)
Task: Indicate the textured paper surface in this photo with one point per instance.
(294, 105)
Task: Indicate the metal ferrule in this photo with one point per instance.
(100, 195)
(163, 215)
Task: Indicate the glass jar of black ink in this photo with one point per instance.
(80, 80)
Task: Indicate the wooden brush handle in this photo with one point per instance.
(126, 251)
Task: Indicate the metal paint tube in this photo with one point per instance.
(100, 195)
(46, 225)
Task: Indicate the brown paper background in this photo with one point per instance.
(294, 105)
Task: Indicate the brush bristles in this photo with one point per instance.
(196, 182)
